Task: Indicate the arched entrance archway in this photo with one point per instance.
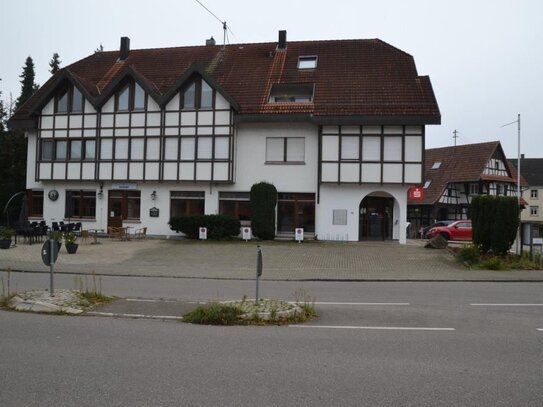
(376, 218)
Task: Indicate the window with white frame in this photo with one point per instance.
(474, 189)
(285, 149)
(534, 210)
(534, 193)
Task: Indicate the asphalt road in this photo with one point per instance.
(374, 344)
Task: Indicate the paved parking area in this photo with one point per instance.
(237, 260)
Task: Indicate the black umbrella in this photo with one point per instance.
(23, 214)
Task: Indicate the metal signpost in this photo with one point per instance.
(49, 255)
(258, 270)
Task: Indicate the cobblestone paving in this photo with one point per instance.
(237, 260)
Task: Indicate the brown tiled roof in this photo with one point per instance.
(464, 163)
(353, 77)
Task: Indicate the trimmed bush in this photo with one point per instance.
(494, 222)
(263, 201)
(218, 226)
(505, 224)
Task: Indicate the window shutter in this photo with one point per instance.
(349, 148)
(221, 148)
(296, 149)
(393, 149)
(204, 148)
(275, 149)
(137, 149)
(187, 148)
(371, 149)
(106, 149)
(170, 147)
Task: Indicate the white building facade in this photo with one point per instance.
(115, 148)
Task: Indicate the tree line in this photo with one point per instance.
(13, 144)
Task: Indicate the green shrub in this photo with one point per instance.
(469, 254)
(493, 263)
(505, 224)
(215, 314)
(494, 222)
(263, 199)
(218, 226)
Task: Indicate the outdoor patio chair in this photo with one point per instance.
(113, 232)
(140, 233)
(84, 236)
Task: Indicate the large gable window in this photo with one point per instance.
(197, 95)
(69, 100)
(130, 97)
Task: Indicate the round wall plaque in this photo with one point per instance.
(53, 195)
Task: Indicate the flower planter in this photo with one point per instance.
(72, 248)
(5, 243)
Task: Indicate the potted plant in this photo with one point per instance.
(5, 237)
(71, 245)
(56, 235)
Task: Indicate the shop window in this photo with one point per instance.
(295, 211)
(236, 204)
(186, 203)
(80, 204)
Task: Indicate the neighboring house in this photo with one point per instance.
(454, 175)
(138, 136)
(532, 170)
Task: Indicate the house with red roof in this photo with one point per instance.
(134, 137)
(454, 175)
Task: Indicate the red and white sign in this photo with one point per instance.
(416, 193)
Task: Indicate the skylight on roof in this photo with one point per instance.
(427, 184)
(436, 165)
(307, 62)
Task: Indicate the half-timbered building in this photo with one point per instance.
(134, 137)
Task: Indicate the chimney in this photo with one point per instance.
(125, 48)
(210, 42)
(522, 156)
(282, 44)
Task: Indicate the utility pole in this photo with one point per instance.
(455, 132)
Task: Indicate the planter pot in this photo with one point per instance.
(5, 243)
(72, 248)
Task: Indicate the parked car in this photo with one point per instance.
(426, 229)
(458, 230)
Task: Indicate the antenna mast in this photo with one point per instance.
(224, 25)
(455, 132)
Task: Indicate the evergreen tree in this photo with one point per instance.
(27, 81)
(12, 165)
(54, 64)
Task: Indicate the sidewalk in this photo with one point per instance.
(358, 261)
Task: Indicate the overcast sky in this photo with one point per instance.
(484, 57)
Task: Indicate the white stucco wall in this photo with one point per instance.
(349, 197)
(250, 157)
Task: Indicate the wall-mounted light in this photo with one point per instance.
(153, 196)
(100, 193)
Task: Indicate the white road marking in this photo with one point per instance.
(375, 328)
(112, 314)
(355, 303)
(539, 329)
(508, 305)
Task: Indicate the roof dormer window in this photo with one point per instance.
(197, 94)
(291, 93)
(307, 62)
(130, 97)
(69, 100)
(436, 165)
